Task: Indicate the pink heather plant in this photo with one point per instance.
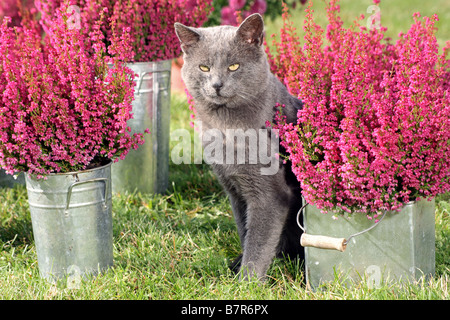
(374, 130)
(10, 8)
(191, 105)
(230, 13)
(150, 22)
(61, 107)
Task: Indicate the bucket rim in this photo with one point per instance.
(70, 173)
(149, 62)
(152, 66)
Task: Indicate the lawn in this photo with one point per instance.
(178, 245)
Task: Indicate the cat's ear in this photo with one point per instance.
(188, 36)
(251, 29)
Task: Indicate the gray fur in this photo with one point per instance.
(264, 206)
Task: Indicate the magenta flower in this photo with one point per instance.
(10, 8)
(228, 16)
(149, 22)
(373, 133)
(259, 6)
(234, 13)
(62, 108)
(236, 4)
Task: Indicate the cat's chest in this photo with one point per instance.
(238, 145)
(241, 178)
(236, 115)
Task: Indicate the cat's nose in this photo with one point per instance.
(217, 85)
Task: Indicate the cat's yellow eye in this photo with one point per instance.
(233, 67)
(204, 68)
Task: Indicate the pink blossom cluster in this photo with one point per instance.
(191, 105)
(149, 22)
(63, 105)
(11, 8)
(232, 13)
(374, 130)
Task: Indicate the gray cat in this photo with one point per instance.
(227, 73)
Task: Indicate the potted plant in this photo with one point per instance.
(63, 120)
(10, 8)
(372, 138)
(149, 25)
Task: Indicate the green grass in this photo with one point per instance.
(179, 245)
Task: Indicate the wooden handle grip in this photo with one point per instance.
(323, 242)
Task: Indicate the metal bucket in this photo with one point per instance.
(8, 181)
(402, 246)
(147, 169)
(72, 222)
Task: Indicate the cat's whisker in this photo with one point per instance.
(248, 98)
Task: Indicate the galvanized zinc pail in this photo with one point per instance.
(402, 246)
(147, 168)
(72, 222)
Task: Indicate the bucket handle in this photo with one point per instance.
(76, 183)
(325, 242)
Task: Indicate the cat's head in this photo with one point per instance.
(224, 65)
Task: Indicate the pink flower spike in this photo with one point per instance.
(373, 131)
(63, 105)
